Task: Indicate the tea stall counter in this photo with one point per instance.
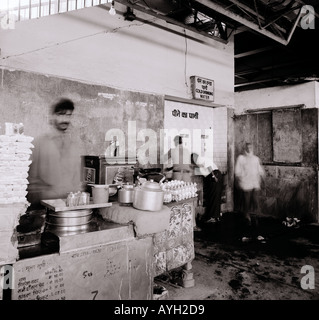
(106, 262)
(111, 260)
(171, 229)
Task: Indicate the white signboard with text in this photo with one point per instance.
(193, 122)
(202, 88)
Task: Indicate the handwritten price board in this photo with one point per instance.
(109, 272)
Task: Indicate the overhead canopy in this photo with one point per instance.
(275, 40)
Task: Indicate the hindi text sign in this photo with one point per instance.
(202, 88)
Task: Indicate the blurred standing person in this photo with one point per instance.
(249, 173)
(56, 160)
(179, 162)
(179, 166)
(213, 184)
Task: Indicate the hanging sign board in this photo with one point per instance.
(202, 88)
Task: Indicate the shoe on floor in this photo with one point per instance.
(211, 220)
(261, 239)
(245, 239)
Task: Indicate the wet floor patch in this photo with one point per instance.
(255, 271)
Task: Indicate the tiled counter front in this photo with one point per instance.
(174, 246)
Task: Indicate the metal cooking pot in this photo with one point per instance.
(100, 193)
(153, 174)
(125, 194)
(148, 196)
(71, 213)
(69, 218)
(66, 230)
(68, 221)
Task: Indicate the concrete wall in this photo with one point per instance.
(306, 93)
(92, 46)
(115, 71)
(26, 97)
(290, 192)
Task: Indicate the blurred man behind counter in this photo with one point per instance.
(56, 159)
(179, 165)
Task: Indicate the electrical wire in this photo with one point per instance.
(185, 58)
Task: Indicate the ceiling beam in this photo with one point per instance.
(241, 29)
(158, 15)
(251, 52)
(238, 18)
(294, 26)
(240, 77)
(283, 13)
(270, 67)
(256, 82)
(274, 75)
(257, 15)
(248, 9)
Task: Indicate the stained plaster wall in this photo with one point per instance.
(290, 189)
(90, 46)
(98, 108)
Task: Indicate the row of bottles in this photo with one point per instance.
(177, 190)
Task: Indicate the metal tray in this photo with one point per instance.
(60, 205)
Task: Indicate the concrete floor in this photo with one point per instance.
(224, 268)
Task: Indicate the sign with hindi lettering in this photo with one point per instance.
(202, 88)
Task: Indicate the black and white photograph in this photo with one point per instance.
(159, 155)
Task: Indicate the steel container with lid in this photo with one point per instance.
(69, 218)
(125, 194)
(70, 221)
(149, 196)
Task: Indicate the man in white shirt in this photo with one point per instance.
(179, 162)
(249, 173)
(212, 187)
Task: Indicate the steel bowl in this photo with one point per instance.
(66, 221)
(71, 213)
(69, 218)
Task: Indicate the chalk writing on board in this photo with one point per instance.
(49, 287)
(112, 267)
(95, 293)
(87, 274)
